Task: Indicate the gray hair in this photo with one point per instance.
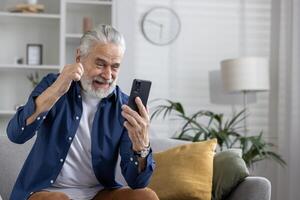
(101, 34)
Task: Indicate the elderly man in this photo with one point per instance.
(82, 123)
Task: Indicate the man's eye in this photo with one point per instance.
(100, 65)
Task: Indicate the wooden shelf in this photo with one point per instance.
(7, 112)
(30, 15)
(74, 35)
(73, 38)
(93, 2)
(42, 67)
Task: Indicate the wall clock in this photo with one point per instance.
(161, 25)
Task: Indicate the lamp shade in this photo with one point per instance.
(245, 74)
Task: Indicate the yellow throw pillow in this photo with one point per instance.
(184, 172)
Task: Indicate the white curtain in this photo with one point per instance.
(285, 96)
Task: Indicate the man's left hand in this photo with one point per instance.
(137, 125)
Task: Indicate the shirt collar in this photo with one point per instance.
(113, 95)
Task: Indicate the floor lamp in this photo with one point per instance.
(246, 74)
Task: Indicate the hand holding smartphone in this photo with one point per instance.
(140, 88)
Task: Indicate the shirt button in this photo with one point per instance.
(136, 163)
(131, 159)
(77, 118)
(70, 138)
(38, 118)
(51, 181)
(22, 128)
(79, 96)
(44, 117)
(61, 160)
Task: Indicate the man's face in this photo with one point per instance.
(101, 69)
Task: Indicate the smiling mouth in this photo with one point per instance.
(99, 84)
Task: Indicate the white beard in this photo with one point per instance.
(99, 93)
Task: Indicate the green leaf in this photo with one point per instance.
(236, 119)
(205, 124)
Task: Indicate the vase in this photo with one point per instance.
(87, 24)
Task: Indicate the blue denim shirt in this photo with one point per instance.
(55, 130)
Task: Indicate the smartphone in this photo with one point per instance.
(140, 88)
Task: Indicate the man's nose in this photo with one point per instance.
(106, 73)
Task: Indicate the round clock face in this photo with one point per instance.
(161, 25)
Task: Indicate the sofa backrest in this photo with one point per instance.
(12, 157)
(162, 144)
(157, 145)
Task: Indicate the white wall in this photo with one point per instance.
(212, 30)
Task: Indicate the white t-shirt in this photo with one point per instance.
(77, 178)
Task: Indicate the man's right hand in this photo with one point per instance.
(71, 72)
(47, 99)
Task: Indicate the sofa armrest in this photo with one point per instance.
(252, 188)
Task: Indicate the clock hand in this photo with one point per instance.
(153, 22)
(160, 31)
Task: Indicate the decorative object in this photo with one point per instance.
(34, 79)
(246, 74)
(28, 8)
(184, 172)
(204, 125)
(18, 60)
(87, 24)
(34, 54)
(161, 25)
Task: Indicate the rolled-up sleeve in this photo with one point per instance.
(129, 165)
(17, 130)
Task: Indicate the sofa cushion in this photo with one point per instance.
(229, 170)
(12, 158)
(184, 172)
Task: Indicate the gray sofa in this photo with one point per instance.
(12, 157)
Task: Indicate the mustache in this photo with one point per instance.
(102, 80)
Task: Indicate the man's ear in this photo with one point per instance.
(77, 58)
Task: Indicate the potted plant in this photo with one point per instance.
(204, 124)
(34, 79)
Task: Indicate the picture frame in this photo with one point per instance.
(34, 54)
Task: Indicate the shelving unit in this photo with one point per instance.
(18, 30)
(32, 15)
(100, 12)
(58, 29)
(7, 112)
(25, 67)
(73, 36)
(92, 2)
